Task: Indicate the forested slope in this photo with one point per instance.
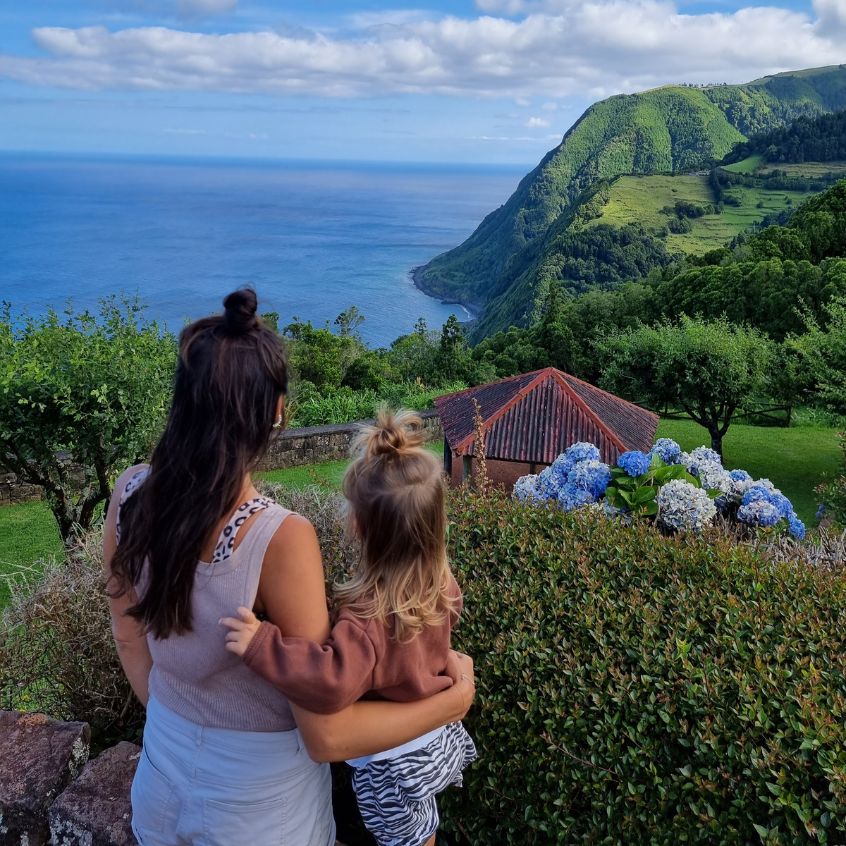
(671, 129)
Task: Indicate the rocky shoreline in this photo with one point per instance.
(473, 310)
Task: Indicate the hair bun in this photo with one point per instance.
(394, 433)
(240, 311)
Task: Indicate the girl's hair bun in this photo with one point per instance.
(239, 315)
(394, 433)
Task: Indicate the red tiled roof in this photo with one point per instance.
(534, 417)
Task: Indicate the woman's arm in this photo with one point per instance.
(292, 593)
(368, 727)
(130, 640)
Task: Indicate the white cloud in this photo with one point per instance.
(558, 48)
(550, 107)
(831, 16)
(537, 122)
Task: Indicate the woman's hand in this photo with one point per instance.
(242, 629)
(459, 668)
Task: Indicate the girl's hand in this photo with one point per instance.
(459, 668)
(241, 630)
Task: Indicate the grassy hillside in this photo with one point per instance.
(646, 199)
(666, 130)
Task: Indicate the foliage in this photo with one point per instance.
(642, 689)
(832, 491)
(706, 368)
(56, 649)
(313, 408)
(669, 129)
(76, 407)
(822, 353)
(638, 476)
(809, 138)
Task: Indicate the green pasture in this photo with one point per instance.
(749, 165)
(640, 199)
(755, 165)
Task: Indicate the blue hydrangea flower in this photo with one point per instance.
(756, 493)
(796, 526)
(758, 512)
(713, 477)
(591, 476)
(635, 463)
(739, 476)
(667, 450)
(570, 497)
(582, 451)
(706, 454)
(550, 480)
(821, 511)
(782, 503)
(525, 489)
(681, 506)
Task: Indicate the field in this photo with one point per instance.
(749, 165)
(808, 170)
(640, 199)
(794, 459)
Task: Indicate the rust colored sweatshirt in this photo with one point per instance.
(361, 657)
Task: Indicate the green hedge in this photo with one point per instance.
(634, 688)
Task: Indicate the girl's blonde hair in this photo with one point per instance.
(396, 496)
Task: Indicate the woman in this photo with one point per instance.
(226, 759)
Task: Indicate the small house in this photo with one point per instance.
(530, 419)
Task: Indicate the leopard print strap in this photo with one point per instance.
(226, 542)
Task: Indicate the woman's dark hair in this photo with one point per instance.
(231, 372)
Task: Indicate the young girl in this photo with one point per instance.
(392, 633)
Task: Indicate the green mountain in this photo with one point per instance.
(667, 130)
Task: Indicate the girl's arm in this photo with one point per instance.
(130, 640)
(292, 593)
(368, 727)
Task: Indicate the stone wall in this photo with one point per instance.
(13, 491)
(309, 445)
(49, 794)
(327, 443)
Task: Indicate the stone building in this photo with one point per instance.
(530, 419)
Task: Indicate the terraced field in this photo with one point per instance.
(642, 199)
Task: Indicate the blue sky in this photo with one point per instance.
(467, 81)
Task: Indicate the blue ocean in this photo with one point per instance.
(312, 238)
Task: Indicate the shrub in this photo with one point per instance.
(57, 653)
(635, 688)
(72, 388)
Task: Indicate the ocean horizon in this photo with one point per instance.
(312, 237)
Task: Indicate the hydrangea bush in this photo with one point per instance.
(681, 491)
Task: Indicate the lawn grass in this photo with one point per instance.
(30, 536)
(795, 459)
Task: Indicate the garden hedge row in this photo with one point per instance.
(634, 688)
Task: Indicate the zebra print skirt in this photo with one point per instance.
(396, 796)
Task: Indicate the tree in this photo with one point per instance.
(706, 368)
(454, 359)
(822, 352)
(81, 398)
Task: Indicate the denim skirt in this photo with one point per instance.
(218, 787)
